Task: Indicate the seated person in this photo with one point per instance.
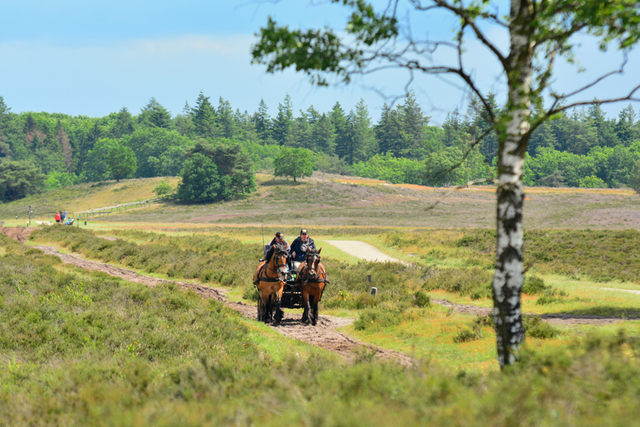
(300, 246)
(277, 240)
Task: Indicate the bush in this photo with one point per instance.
(535, 327)
(376, 318)
(163, 188)
(534, 285)
(592, 182)
(474, 332)
(421, 299)
(475, 282)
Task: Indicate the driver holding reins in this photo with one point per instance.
(300, 247)
(277, 240)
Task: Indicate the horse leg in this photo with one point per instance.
(267, 309)
(261, 305)
(279, 313)
(314, 309)
(305, 306)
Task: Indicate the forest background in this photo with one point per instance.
(583, 148)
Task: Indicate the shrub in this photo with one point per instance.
(535, 327)
(163, 188)
(376, 318)
(474, 330)
(534, 285)
(421, 299)
(475, 282)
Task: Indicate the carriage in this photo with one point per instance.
(291, 294)
(274, 277)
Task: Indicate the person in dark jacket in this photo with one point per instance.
(277, 240)
(300, 246)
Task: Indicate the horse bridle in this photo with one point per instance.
(279, 270)
(311, 270)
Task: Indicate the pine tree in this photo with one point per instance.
(155, 115)
(263, 122)
(343, 136)
(455, 130)
(5, 149)
(606, 136)
(226, 121)
(183, 122)
(245, 127)
(283, 125)
(479, 122)
(302, 131)
(124, 124)
(204, 118)
(364, 144)
(624, 127)
(413, 122)
(313, 115)
(389, 131)
(323, 136)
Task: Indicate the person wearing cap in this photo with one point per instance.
(278, 239)
(300, 246)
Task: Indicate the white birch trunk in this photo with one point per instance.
(509, 277)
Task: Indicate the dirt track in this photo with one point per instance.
(20, 234)
(322, 335)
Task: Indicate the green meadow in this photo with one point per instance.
(84, 348)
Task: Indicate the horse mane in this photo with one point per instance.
(272, 250)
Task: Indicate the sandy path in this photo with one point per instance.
(366, 251)
(322, 335)
(362, 250)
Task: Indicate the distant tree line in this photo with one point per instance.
(40, 151)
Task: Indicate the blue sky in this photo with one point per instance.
(92, 58)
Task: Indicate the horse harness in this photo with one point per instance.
(266, 278)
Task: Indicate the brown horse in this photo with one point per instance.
(269, 278)
(312, 279)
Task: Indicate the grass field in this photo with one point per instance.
(81, 348)
(347, 202)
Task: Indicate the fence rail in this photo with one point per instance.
(93, 213)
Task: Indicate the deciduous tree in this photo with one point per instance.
(18, 179)
(293, 162)
(121, 161)
(540, 32)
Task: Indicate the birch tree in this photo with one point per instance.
(540, 32)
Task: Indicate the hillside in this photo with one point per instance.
(334, 200)
(82, 197)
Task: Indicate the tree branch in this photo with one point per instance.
(469, 21)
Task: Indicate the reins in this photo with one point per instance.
(267, 278)
(316, 280)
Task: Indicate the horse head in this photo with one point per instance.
(279, 258)
(313, 259)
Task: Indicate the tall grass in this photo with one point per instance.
(600, 255)
(88, 350)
